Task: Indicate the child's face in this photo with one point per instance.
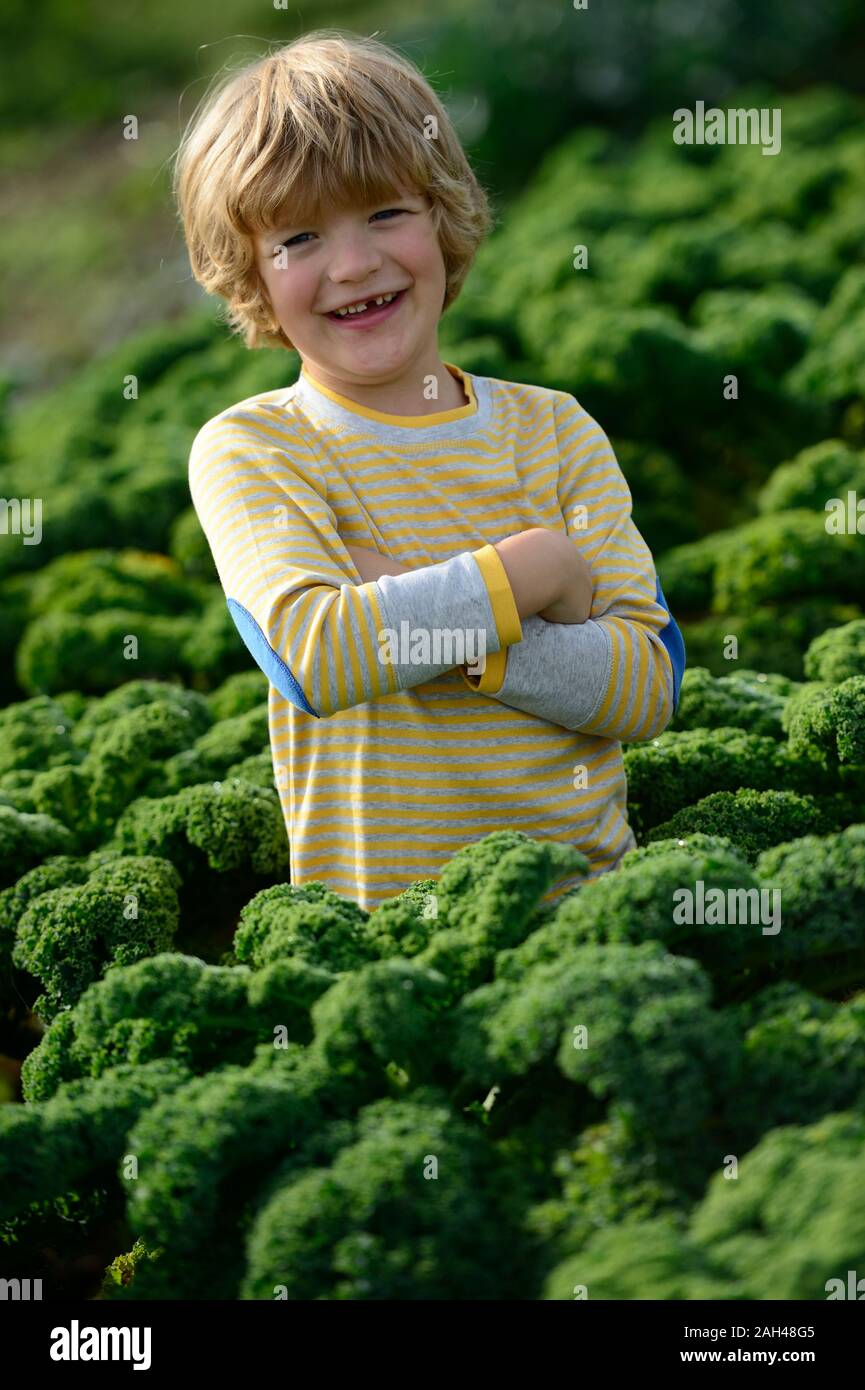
(352, 256)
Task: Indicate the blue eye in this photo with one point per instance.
(296, 240)
(291, 241)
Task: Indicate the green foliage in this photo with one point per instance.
(788, 555)
(65, 794)
(212, 650)
(173, 1005)
(790, 1031)
(35, 734)
(25, 840)
(837, 653)
(225, 825)
(228, 742)
(89, 581)
(759, 333)
(749, 700)
(603, 1180)
(635, 905)
(198, 1148)
(814, 476)
(831, 371)
(311, 923)
(187, 705)
(387, 1013)
(827, 723)
(188, 546)
(662, 492)
(679, 769)
(57, 871)
(238, 694)
(771, 634)
(66, 937)
(647, 1050)
(130, 754)
(790, 1224)
(257, 769)
(90, 651)
(255, 1144)
(822, 885)
(751, 820)
(380, 1222)
(687, 572)
(78, 1133)
(122, 743)
(122, 1269)
(404, 925)
(487, 897)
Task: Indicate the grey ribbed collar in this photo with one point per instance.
(341, 418)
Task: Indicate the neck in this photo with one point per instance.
(411, 394)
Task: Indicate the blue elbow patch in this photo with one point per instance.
(266, 658)
(674, 642)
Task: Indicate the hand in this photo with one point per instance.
(574, 603)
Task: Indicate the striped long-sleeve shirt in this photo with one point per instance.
(390, 750)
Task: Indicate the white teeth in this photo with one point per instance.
(358, 308)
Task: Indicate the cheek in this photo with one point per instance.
(281, 287)
(274, 284)
(421, 250)
(289, 293)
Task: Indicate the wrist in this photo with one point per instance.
(536, 566)
(573, 604)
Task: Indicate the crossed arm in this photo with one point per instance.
(600, 652)
(548, 575)
(551, 584)
(607, 676)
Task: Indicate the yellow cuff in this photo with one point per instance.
(493, 678)
(507, 619)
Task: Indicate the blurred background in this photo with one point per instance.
(90, 247)
(703, 262)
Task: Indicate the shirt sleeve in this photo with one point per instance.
(324, 640)
(618, 674)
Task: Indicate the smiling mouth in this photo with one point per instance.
(373, 313)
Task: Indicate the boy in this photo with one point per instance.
(387, 501)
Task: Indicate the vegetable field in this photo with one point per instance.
(215, 1084)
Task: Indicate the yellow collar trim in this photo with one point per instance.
(436, 417)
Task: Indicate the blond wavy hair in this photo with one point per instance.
(331, 119)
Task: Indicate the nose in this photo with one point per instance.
(353, 258)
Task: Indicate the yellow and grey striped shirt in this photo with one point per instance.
(416, 714)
